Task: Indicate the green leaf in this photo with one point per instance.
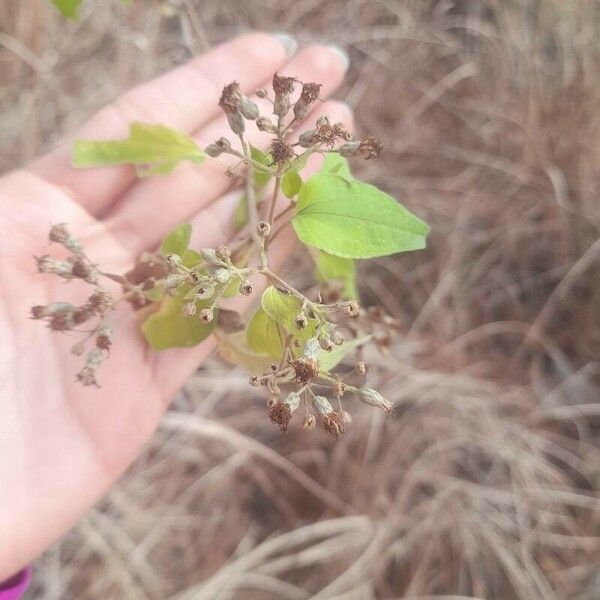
(329, 360)
(69, 8)
(354, 219)
(261, 178)
(190, 258)
(299, 162)
(154, 148)
(330, 267)
(262, 335)
(177, 240)
(283, 308)
(335, 163)
(234, 348)
(169, 328)
(291, 183)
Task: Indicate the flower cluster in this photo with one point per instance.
(306, 337)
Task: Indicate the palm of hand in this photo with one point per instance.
(62, 445)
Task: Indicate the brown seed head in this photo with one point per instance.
(82, 269)
(87, 376)
(361, 367)
(370, 147)
(39, 312)
(280, 414)
(282, 152)
(283, 86)
(333, 423)
(104, 341)
(59, 233)
(305, 369)
(101, 302)
(231, 98)
(310, 92)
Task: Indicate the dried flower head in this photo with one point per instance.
(305, 369)
(231, 98)
(280, 414)
(370, 147)
(282, 152)
(334, 423)
(101, 302)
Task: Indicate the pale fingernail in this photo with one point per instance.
(342, 55)
(287, 41)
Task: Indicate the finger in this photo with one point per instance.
(153, 206)
(212, 226)
(184, 99)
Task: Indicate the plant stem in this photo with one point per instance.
(274, 199)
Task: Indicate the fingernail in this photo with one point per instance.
(342, 54)
(287, 41)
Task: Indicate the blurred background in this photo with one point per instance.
(484, 484)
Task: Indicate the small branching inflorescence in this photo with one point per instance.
(293, 341)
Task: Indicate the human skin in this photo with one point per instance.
(63, 445)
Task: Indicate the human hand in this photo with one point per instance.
(62, 445)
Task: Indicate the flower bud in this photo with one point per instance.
(351, 308)
(338, 388)
(173, 281)
(292, 401)
(204, 292)
(249, 109)
(264, 124)
(173, 260)
(322, 405)
(263, 229)
(222, 275)
(189, 309)
(301, 321)
(361, 367)
(312, 348)
(224, 144)
(211, 257)
(246, 288)
(261, 93)
(206, 315)
(223, 252)
(349, 149)
(236, 123)
(374, 398)
(213, 150)
(325, 342)
(310, 422)
(337, 337)
(307, 138)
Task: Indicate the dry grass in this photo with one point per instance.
(485, 484)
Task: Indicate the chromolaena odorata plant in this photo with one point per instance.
(292, 342)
